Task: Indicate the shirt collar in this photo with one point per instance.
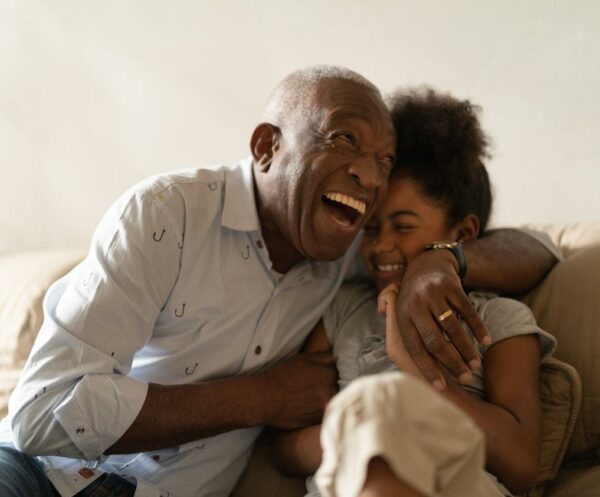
(240, 214)
(239, 207)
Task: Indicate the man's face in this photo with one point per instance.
(332, 169)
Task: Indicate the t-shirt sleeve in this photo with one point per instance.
(545, 240)
(348, 301)
(506, 318)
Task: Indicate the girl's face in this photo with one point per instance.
(400, 229)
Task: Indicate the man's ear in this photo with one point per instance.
(468, 228)
(263, 144)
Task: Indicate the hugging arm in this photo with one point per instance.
(76, 398)
(291, 394)
(508, 261)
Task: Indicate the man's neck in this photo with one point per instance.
(283, 254)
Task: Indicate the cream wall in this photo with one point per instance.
(96, 95)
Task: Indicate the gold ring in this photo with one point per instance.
(445, 315)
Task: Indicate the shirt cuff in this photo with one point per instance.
(99, 411)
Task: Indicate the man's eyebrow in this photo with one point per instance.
(403, 213)
(343, 116)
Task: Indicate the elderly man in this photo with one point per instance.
(164, 352)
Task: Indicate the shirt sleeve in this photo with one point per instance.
(545, 240)
(74, 397)
(348, 303)
(356, 267)
(506, 318)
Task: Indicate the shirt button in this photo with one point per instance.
(258, 350)
(80, 430)
(259, 244)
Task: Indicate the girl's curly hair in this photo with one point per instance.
(442, 147)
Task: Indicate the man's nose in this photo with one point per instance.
(366, 173)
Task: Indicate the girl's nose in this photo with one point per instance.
(383, 244)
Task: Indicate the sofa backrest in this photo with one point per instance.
(24, 280)
(567, 304)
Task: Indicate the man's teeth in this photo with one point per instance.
(357, 205)
(389, 267)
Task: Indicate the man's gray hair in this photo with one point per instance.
(297, 89)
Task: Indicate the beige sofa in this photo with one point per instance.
(566, 304)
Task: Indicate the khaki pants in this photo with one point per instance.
(428, 442)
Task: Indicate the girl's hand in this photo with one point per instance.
(386, 305)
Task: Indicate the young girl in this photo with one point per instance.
(396, 436)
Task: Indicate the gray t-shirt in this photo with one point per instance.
(357, 332)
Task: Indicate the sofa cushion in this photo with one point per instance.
(567, 304)
(576, 481)
(560, 397)
(24, 280)
(570, 238)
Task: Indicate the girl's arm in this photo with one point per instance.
(299, 452)
(510, 415)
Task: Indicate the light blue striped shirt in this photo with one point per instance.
(177, 287)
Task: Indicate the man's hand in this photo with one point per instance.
(430, 288)
(298, 390)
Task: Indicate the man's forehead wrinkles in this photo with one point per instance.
(366, 116)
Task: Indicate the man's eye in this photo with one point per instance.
(345, 137)
(390, 159)
(403, 227)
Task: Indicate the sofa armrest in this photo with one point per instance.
(24, 280)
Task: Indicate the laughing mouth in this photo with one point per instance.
(347, 209)
(389, 267)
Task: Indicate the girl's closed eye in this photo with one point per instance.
(403, 227)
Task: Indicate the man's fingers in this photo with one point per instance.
(440, 348)
(421, 357)
(465, 308)
(450, 323)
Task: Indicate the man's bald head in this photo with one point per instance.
(326, 131)
(294, 96)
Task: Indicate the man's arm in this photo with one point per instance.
(288, 396)
(509, 261)
(76, 398)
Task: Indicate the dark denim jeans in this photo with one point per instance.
(22, 476)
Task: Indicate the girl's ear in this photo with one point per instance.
(468, 228)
